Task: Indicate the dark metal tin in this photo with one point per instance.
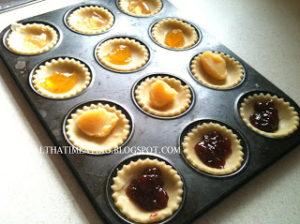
(92, 171)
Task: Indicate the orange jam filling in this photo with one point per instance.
(93, 22)
(36, 40)
(120, 55)
(97, 123)
(174, 38)
(59, 82)
(139, 7)
(214, 65)
(161, 93)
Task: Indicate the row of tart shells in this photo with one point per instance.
(287, 115)
(288, 123)
(18, 33)
(173, 182)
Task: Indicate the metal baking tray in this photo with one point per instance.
(6, 5)
(201, 191)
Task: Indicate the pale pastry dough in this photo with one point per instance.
(288, 117)
(77, 19)
(235, 73)
(173, 185)
(63, 65)
(98, 145)
(16, 40)
(180, 104)
(233, 162)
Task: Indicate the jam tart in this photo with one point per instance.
(172, 185)
(122, 54)
(140, 8)
(90, 20)
(205, 67)
(288, 116)
(61, 78)
(163, 96)
(97, 128)
(233, 159)
(175, 34)
(31, 38)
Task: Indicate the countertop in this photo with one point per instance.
(39, 188)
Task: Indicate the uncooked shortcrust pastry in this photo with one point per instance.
(288, 117)
(90, 20)
(181, 103)
(233, 162)
(235, 72)
(67, 66)
(93, 144)
(137, 54)
(31, 38)
(172, 184)
(161, 29)
(140, 8)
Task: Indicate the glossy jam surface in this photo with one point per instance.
(213, 149)
(214, 65)
(36, 39)
(161, 94)
(92, 22)
(59, 82)
(174, 38)
(265, 116)
(98, 122)
(139, 7)
(147, 190)
(120, 55)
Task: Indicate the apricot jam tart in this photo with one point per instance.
(123, 54)
(97, 128)
(140, 8)
(61, 78)
(90, 20)
(269, 115)
(163, 96)
(175, 34)
(217, 70)
(213, 148)
(147, 190)
(31, 38)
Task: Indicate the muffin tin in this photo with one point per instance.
(93, 171)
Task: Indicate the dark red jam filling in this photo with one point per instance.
(147, 190)
(213, 149)
(265, 116)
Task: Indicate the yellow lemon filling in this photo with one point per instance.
(214, 65)
(120, 55)
(174, 38)
(139, 7)
(161, 94)
(59, 82)
(97, 123)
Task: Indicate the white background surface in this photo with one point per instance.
(39, 188)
